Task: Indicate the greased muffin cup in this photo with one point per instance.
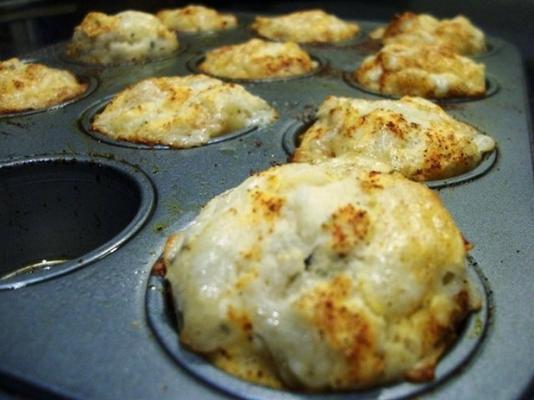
(64, 212)
(104, 315)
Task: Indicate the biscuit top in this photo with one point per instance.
(305, 26)
(125, 37)
(194, 18)
(181, 111)
(412, 135)
(29, 86)
(258, 59)
(410, 29)
(327, 276)
(422, 70)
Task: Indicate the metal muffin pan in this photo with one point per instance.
(86, 333)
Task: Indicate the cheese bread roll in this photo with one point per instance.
(412, 135)
(125, 37)
(181, 111)
(321, 277)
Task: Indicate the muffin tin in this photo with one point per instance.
(98, 326)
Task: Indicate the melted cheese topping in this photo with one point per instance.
(327, 276)
(32, 86)
(427, 71)
(414, 29)
(196, 19)
(412, 135)
(181, 111)
(305, 26)
(258, 59)
(125, 37)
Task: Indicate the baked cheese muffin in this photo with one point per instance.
(125, 37)
(30, 86)
(195, 19)
(181, 111)
(425, 70)
(412, 135)
(321, 277)
(258, 59)
(412, 29)
(305, 26)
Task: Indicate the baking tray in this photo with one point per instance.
(95, 327)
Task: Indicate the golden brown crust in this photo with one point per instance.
(257, 59)
(415, 136)
(423, 70)
(129, 36)
(305, 27)
(410, 29)
(30, 86)
(181, 111)
(322, 277)
(195, 18)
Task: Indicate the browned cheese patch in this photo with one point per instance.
(371, 181)
(438, 335)
(96, 24)
(345, 330)
(265, 206)
(348, 227)
(241, 358)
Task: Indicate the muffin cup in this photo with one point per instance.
(291, 141)
(86, 120)
(165, 321)
(60, 213)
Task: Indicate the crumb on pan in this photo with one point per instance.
(424, 70)
(411, 29)
(195, 18)
(181, 111)
(31, 86)
(258, 59)
(305, 27)
(331, 276)
(412, 135)
(129, 36)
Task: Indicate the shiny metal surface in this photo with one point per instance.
(86, 335)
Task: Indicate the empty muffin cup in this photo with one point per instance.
(59, 213)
